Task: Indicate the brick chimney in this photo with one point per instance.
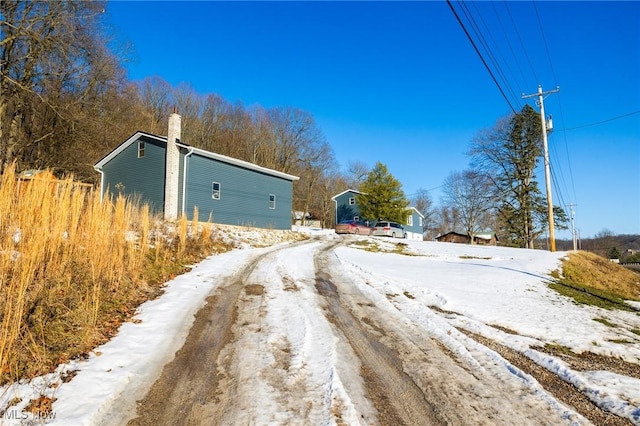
(172, 170)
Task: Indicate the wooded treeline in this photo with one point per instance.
(65, 102)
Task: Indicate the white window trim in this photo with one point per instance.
(272, 203)
(410, 220)
(352, 201)
(141, 149)
(215, 194)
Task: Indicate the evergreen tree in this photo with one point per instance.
(382, 196)
(614, 253)
(509, 154)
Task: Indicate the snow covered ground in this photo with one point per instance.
(438, 287)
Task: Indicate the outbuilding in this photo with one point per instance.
(484, 239)
(175, 179)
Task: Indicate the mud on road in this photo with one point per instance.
(189, 384)
(330, 351)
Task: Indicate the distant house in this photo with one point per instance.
(175, 178)
(453, 237)
(485, 239)
(347, 206)
(347, 209)
(413, 225)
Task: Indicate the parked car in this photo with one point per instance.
(353, 227)
(388, 229)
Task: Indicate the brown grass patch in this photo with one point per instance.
(597, 272)
(40, 406)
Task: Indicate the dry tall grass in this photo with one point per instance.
(72, 268)
(593, 271)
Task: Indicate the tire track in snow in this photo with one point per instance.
(395, 395)
(287, 363)
(480, 392)
(189, 389)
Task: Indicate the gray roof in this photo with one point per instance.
(198, 151)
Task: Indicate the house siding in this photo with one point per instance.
(345, 211)
(414, 231)
(138, 177)
(244, 195)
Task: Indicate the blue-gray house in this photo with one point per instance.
(347, 206)
(175, 178)
(413, 224)
(347, 209)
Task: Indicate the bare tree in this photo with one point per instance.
(294, 131)
(331, 184)
(469, 192)
(56, 72)
(214, 109)
(190, 106)
(356, 173)
(424, 204)
(316, 164)
(447, 220)
(259, 142)
(156, 99)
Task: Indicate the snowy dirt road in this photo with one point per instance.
(292, 337)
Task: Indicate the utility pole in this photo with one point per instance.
(573, 226)
(547, 167)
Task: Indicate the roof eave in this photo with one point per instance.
(98, 166)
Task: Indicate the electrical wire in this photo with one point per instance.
(480, 55)
(562, 184)
(601, 122)
(544, 40)
(522, 47)
(511, 50)
(487, 47)
(566, 146)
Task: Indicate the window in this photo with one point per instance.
(140, 149)
(272, 201)
(352, 201)
(410, 220)
(215, 190)
(356, 218)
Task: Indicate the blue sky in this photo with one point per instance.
(400, 83)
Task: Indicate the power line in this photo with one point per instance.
(480, 55)
(566, 146)
(544, 40)
(601, 122)
(422, 190)
(560, 175)
(490, 52)
(522, 47)
(508, 39)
